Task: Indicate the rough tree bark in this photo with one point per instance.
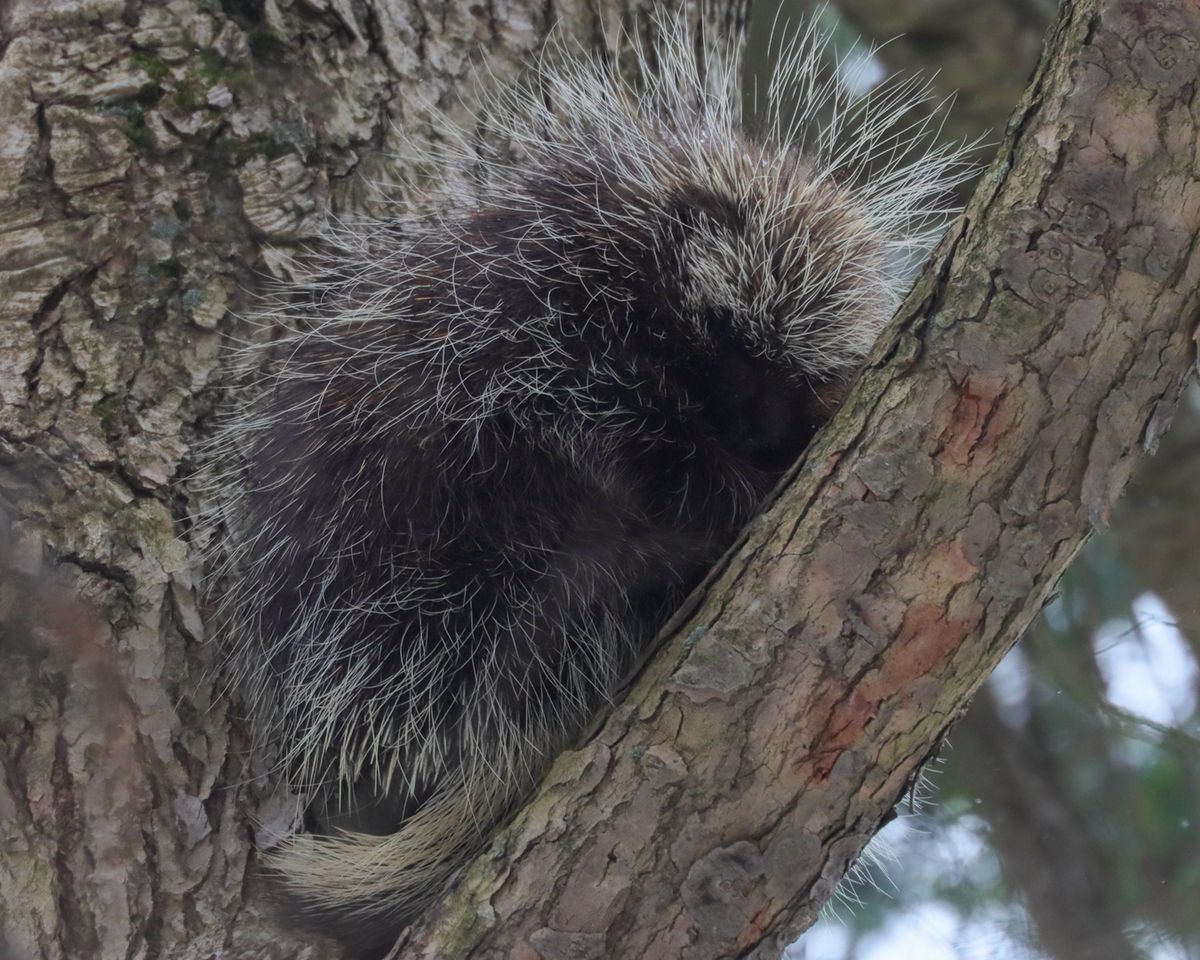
(154, 153)
(154, 157)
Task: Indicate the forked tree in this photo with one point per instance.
(158, 160)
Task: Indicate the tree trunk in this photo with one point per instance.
(157, 156)
(156, 159)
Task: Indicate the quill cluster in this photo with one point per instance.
(512, 433)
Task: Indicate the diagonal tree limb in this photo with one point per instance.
(1041, 353)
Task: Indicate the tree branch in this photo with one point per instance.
(1040, 354)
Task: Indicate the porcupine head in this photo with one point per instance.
(507, 435)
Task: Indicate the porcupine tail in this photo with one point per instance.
(363, 888)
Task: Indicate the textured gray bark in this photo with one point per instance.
(156, 160)
(154, 156)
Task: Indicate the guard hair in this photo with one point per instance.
(499, 441)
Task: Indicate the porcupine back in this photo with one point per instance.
(512, 434)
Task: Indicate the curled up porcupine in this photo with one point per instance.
(511, 435)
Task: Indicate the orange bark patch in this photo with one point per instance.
(975, 423)
(846, 713)
(927, 638)
(757, 927)
(947, 567)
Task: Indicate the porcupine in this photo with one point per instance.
(513, 433)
